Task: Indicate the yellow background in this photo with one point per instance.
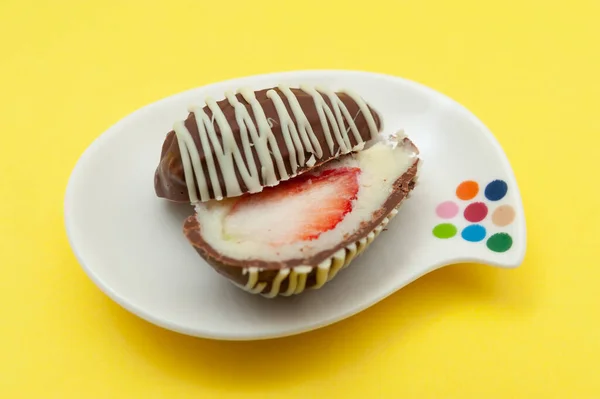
(528, 69)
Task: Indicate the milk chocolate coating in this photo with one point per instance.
(169, 179)
(233, 268)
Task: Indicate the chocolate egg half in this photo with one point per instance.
(299, 234)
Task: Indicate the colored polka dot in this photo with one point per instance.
(474, 233)
(503, 215)
(467, 190)
(499, 242)
(496, 190)
(447, 210)
(476, 212)
(444, 230)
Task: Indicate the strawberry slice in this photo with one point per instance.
(300, 209)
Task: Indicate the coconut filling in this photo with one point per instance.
(381, 165)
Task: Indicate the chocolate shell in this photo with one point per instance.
(251, 140)
(293, 275)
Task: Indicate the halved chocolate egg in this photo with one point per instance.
(302, 232)
(256, 139)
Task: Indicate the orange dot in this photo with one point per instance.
(467, 190)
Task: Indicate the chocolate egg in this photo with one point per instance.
(300, 234)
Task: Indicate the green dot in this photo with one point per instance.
(499, 242)
(444, 230)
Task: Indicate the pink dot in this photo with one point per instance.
(447, 210)
(476, 212)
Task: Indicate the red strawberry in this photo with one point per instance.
(300, 209)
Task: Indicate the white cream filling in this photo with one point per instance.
(297, 275)
(381, 164)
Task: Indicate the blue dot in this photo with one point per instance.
(496, 190)
(473, 233)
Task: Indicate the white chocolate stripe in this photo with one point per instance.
(309, 139)
(245, 123)
(322, 273)
(291, 139)
(303, 272)
(351, 249)
(341, 112)
(292, 283)
(281, 275)
(186, 144)
(337, 263)
(325, 114)
(265, 134)
(299, 138)
(365, 110)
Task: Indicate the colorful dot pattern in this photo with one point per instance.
(467, 190)
(499, 242)
(503, 215)
(447, 210)
(473, 233)
(476, 214)
(496, 190)
(444, 230)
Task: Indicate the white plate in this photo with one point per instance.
(131, 245)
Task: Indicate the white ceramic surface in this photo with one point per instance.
(131, 245)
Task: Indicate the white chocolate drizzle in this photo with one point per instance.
(325, 271)
(222, 152)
